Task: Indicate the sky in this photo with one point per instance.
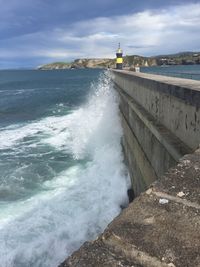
(35, 32)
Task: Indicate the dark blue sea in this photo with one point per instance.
(180, 71)
(62, 178)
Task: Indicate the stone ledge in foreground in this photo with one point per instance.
(149, 233)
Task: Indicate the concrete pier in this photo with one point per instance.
(161, 227)
(161, 121)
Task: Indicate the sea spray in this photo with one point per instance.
(78, 202)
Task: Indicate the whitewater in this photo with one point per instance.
(63, 178)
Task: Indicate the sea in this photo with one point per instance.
(62, 172)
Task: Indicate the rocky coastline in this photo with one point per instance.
(130, 62)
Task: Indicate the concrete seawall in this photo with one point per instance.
(161, 121)
(161, 227)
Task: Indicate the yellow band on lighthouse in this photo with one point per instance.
(119, 60)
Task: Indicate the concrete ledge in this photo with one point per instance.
(149, 148)
(186, 89)
(143, 172)
(158, 229)
(172, 144)
(172, 102)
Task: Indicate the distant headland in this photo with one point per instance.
(183, 58)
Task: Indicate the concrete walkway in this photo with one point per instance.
(180, 82)
(160, 228)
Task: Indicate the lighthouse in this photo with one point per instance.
(119, 58)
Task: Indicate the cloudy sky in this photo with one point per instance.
(33, 32)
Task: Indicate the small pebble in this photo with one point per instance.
(163, 201)
(181, 194)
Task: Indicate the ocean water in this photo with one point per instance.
(62, 177)
(180, 71)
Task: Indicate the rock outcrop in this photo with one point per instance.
(81, 63)
(130, 62)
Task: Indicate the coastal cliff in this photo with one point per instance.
(186, 58)
(80, 63)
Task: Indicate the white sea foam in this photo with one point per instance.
(11, 136)
(78, 204)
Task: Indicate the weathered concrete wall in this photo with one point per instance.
(161, 121)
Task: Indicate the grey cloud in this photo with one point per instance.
(149, 32)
